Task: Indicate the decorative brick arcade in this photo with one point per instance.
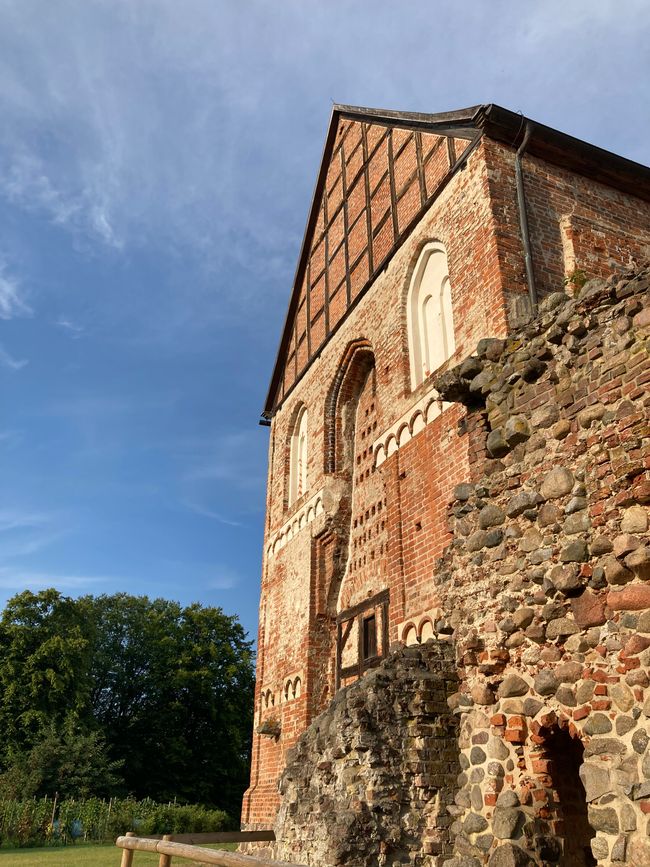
(481, 526)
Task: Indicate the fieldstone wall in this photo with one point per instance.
(521, 735)
(371, 780)
(546, 586)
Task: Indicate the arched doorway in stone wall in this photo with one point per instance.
(558, 759)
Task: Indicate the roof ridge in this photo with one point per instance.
(458, 115)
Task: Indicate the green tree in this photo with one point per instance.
(172, 690)
(213, 689)
(163, 693)
(71, 763)
(44, 668)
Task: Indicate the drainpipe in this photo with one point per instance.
(523, 219)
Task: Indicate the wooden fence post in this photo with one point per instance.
(165, 860)
(127, 854)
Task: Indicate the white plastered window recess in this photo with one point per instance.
(430, 318)
(298, 458)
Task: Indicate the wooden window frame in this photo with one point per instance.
(344, 623)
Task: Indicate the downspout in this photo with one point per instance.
(523, 219)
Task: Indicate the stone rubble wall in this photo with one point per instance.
(546, 584)
(370, 781)
(545, 590)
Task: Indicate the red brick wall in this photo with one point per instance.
(306, 553)
(422, 474)
(574, 222)
(296, 622)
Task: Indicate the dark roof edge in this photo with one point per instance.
(444, 120)
(565, 150)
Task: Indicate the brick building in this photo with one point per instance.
(428, 234)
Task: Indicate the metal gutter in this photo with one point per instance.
(523, 218)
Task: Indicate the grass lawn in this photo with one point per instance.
(85, 856)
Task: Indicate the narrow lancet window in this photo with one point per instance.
(430, 317)
(298, 458)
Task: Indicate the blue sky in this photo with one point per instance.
(157, 158)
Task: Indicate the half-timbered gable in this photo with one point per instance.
(380, 172)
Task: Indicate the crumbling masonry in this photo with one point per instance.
(455, 616)
(546, 585)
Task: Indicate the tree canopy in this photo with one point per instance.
(123, 694)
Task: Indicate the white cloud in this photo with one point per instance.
(19, 579)
(195, 128)
(72, 328)
(212, 576)
(24, 544)
(226, 458)
(127, 125)
(24, 532)
(223, 582)
(7, 360)
(12, 303)
(97, 407)
(13, 519)
(222, 577)
(205, 512)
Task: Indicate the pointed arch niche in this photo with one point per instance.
(430, 318)
(298, 458)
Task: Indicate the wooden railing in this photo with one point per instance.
(184, 846)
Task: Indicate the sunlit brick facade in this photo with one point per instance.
(350, 552)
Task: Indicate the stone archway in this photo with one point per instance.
(560, 832)
(565, 756)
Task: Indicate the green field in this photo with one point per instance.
(73, 856)
(84, 856)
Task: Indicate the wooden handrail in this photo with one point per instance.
(216, 837)
(167, 849)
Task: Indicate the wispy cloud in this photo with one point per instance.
(224, 580)
(7, 360)
(221, 476)
(199, 509)
(211, 576)
(12, 302)
(16, 579)
(9, 437)
(24, 544)
(17, 519)
(98, 407)
(72, 328)
(24, 532)
(12, 305)
(226, 457)
(134, 125)
(123, 130)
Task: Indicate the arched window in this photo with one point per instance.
(430, 318)
(298, 458)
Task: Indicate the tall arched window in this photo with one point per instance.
(430, 317)
(298, 458)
